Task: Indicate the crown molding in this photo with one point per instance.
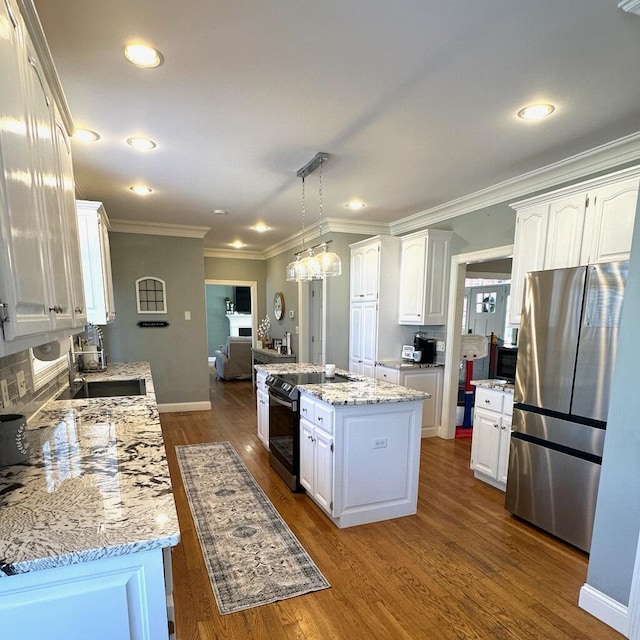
(34, 27)
(602, 158)
(330, 225)
(158, 229)
(235, 254)
(632, 6)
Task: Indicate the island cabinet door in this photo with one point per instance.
(306, 455)
(323, 489)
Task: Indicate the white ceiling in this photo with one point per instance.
(414, 100)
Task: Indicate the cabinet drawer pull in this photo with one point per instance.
(497, 426)
(488, 401)
(319, 418)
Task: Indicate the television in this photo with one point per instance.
(242, 299)
(506, 358)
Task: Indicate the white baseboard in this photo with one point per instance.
(172, 407)
(604, 608)
(430, 432)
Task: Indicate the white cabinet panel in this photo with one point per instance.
(424, 278)
(528, 255)
(584, 223)
(564, 233)
(119, 598)
(93, 229)
(262, 405)
(429, 380)
(491, 436)
(37, 279)
(614, 211)
(365, 272)
(374, 331)
(24, 287)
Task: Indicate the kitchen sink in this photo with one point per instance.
(104, 389)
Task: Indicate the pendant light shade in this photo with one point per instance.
(330, 263)
(307, 265)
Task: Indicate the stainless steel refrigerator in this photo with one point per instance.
(566, 353)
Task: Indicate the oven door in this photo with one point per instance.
(284, 438)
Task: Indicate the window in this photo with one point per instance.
(45, 371)
(151, 295)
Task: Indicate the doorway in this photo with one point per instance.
(459, 265)
(218, 323)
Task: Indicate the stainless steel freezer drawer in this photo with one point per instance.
(566, 433)
(553, 490)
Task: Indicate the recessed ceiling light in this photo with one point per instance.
(143, 56)
(141, 144)
(220, 212)
(140, 190)
(260, 228)
(238, 244)
(354, 205)
(536, 111)
(85, 135)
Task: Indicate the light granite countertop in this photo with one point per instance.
(406, 364)
(96, 483)
(499, 385)
(358, 391)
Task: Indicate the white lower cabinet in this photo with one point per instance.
(262, 406)
(491, 436)
(360, 463)
(316, 463)
(422, 379)
(119, 598)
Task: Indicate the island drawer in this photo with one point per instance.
(316, 412)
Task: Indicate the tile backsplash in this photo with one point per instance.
(32, 400)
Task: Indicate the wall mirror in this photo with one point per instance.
(151, 295)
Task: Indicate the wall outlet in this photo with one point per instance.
(22, 384)
(440, 346)
(379, 443)
(5, 393)
(187, 315)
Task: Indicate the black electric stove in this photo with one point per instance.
(284, 421)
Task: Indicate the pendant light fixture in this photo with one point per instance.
(307, 265)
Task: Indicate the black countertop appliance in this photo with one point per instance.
(426, 346)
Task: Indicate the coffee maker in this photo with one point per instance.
(427, 348)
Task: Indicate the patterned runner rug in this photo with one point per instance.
(252, 556)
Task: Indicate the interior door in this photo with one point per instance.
(316, 337)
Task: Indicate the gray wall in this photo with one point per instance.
(178, 353)
(615, 532)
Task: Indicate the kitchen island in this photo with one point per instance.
(86, 524)
(359, 444)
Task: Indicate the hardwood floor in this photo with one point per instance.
(461, 568)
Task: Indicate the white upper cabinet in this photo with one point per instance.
(565, 231)
(610, 226)
(374, 332)
(365, 271)
(424, 277)
(582, 224)
(38, 292)
(93, 229)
